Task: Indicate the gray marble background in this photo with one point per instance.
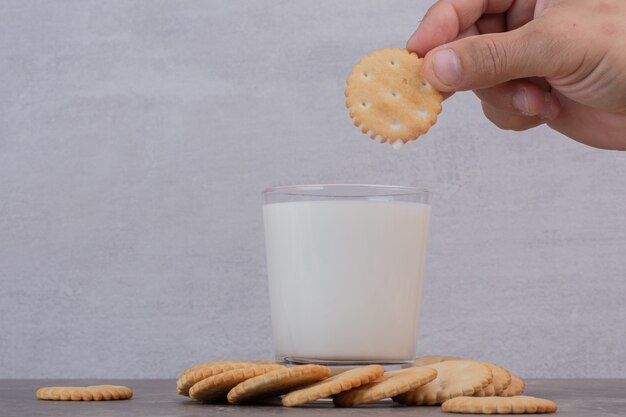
(136, 137)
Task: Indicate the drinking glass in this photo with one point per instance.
(345, 267)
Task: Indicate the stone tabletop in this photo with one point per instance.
(157, 397)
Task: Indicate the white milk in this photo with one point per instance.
(345, 278)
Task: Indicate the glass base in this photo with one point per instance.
(291, 360)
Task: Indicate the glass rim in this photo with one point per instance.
(317, 190)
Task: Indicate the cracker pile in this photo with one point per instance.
(458, 385)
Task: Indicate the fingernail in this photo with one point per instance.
(548, 112)
(520, 102)
(447, 66)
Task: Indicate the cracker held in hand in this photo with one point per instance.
(454, 379)
(388, 97)
(516, 387)
(334, 385)
(204, 370)
(278, 382)
(216, 387)
(90, 393)
(389, 385)
(501, 380)
(499, 405)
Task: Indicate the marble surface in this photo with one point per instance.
(154, 398)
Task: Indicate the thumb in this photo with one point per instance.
(483, 61)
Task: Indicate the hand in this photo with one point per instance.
(560, 62)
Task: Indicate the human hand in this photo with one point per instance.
(560, 62)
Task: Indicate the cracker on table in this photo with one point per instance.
(202, 371)
(215, 388)
(227, 361)
(89, 393)
(389, 385)
(501, 380)
(501, 376)
(455, 378)
(334, 385)
(388, 96)
(499, 405)
(516, 387)
(278, 382)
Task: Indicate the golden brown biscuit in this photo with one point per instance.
(216, 387)
(228, 361)
(389, 385)
(89, 393)
(387, 96)
(275, 383)
(501, 380)
(516, 387)
(454, 378)
(334, 385)
(499, 405)
(204, 370)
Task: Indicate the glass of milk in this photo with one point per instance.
(345, 265)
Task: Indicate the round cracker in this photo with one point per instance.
(89, 393)
(454, 378)
(202, 371)
(334, 385)
(499, 405)
(389, 385)
(516, 387)
(226, 361)
(388, 96)
(501, 380)
(275, 383)
(216, 387)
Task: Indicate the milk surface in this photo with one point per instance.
(345, 278)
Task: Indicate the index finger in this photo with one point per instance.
(446, 19)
